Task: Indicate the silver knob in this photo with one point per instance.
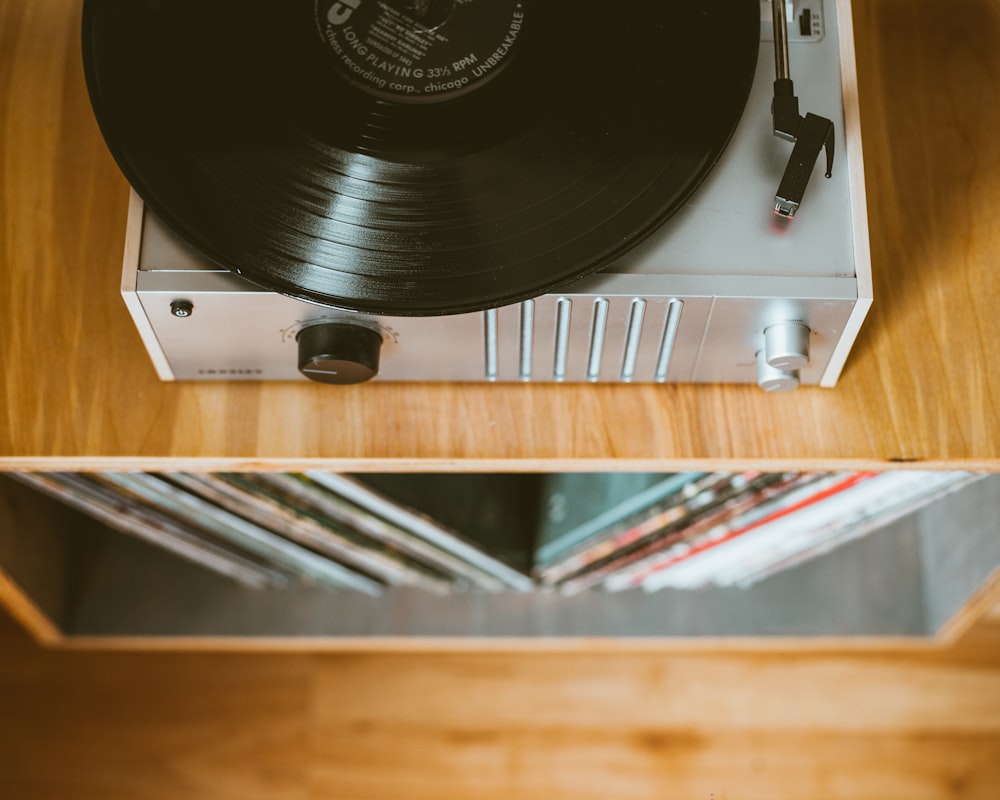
(772, 379)
(786, 346)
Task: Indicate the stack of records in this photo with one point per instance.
(274, 530)
(728, 529)
(499, 533)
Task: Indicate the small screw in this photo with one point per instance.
(181, 308)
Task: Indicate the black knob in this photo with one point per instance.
(339, 353)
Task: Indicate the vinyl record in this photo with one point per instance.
(416, 157)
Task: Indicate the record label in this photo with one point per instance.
(420, 50)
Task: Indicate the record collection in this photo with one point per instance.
(733, 529)
(576, 532)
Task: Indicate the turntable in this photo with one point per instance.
(488, 191)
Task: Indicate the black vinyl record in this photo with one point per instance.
(417, 157)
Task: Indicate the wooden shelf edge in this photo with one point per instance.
(980, 607)
(24, 611)
(505, 465)
(528, 646)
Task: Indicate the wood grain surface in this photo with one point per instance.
(921, 387)
(716, 725)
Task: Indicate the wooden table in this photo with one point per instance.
(80, 393)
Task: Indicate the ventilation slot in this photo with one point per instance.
(527, 337)
(490, 335)
(597, 331)
(635, 318)
(564, 311)
(669, 339)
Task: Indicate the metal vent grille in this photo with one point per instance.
(582, 339)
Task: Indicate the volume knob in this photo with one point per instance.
(786, 346)
(773, 379)
(339, 353)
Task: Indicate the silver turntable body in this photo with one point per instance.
(724, 292)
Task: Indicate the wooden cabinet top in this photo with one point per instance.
(919, 388)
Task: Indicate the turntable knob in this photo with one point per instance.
(339, 353)
(786, 345)
(773, 379)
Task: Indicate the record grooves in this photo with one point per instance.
(321, 150)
